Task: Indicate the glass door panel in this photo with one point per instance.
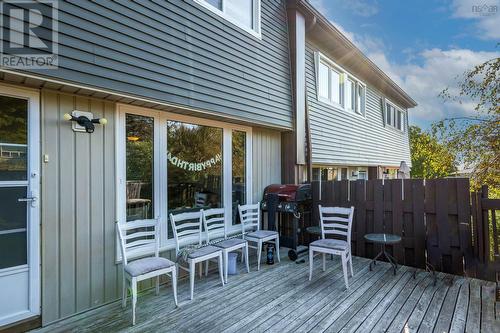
(239, 172)
(194, 171)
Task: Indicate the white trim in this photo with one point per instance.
(33, 189)
(161, 163)
(256, 16)
(344, 76)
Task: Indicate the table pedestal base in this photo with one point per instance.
(389, 258)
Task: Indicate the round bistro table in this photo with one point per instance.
(383, 240)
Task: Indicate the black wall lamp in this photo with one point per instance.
(84, 121)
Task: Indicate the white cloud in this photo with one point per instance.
(429, 72)
(485, 14)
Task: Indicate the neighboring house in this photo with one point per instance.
(358, 117)
(207, 102)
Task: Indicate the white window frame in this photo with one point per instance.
(161, 165)
(393, 124)
(255, 31)
(344, 76)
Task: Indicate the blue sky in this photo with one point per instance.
(422, 45)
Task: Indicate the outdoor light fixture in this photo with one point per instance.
(84, 121)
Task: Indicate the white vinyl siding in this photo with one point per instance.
(341, 137)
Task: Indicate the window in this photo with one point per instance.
(139, 154)
(394, 116)
(339, 88)
(243, 13)
(171, 163)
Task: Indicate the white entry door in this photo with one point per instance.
(19, 204)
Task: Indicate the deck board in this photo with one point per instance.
(280, 298)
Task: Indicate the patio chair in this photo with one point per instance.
(187, 229)
(136, 239)
(214, 222)
(336, 221)
(250, 220)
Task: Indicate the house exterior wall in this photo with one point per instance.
(181, 53)
(79, 269)
(344, 138)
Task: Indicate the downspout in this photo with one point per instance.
(309, 27)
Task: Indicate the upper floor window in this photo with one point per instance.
(338, 87)
(243, 13)
(394, 116)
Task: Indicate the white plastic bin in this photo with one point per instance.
(231, 265)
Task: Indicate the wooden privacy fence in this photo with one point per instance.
(435, 218)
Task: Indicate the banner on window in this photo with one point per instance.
(193, 166)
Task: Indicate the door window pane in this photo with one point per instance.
(194, 172)
(335, 84)
(323, 80)
(239, 172)
(139, 165)
(241, 11)
(13, 215)
(13, 138)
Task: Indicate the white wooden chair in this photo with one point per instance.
(187, 229)
(214, 221)
(136, 238)
(250, 220)
(336, 221)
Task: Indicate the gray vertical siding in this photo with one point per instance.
(178, 52)
(342, 137)
(79, 269)
(266, 156)
(78, 209)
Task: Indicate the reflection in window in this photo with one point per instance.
(239, 172)
(13, 138)
(194, 171)
(139, 165)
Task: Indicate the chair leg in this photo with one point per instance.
(174, 284)
(134, 299)
(225, 264)
(192, 267)
(200, 266)
(278, 248)
(344, 269)
(350, 264)
(311, 258)
(124, 291)
(246, 259)
(157, 285)
(220, 270)
(243, 254)
(324, 262)
(206, 267)
(259, 252)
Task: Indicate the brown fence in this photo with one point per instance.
(439, 220)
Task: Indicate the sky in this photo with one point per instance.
(423, 45)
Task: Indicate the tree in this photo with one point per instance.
(429, 158)
(476, 140)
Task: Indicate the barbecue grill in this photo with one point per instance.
(293, 204)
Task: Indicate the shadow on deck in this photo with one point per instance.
(280, 298)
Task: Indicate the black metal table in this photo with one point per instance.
(383, 240)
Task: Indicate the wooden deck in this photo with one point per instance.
(280, 298)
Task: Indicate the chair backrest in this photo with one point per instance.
(187, 228)
(214, 222)
(249, 217)
(336, 221)
(138, 238)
